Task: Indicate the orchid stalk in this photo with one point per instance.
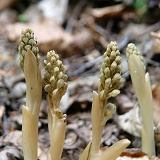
(55, 84)
(29, 63)
(142, 87)
(109, 84)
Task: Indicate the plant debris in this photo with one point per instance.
(80, 38)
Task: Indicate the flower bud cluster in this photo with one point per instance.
(109, 111)
(132, 50)
(27, 42)
(110, 73)
(55, 79)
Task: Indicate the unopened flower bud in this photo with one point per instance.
(107, 83)
(116, 77)
(102, 95)
(110, 109)
(113, 66)
(114, 93)
(60, 83)
(107, 72)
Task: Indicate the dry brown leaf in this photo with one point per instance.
(7, 3)
(156, 42)
(51, 36)
(156, 102)
(107, 12)
(13, 138)
(131, 121)
(132, 154)
(135, 154)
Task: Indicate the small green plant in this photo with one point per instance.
(142, 87)
(55, 84)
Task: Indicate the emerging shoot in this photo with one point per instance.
(142, 87)
(29, 63)
(109, 84)
(55, 84)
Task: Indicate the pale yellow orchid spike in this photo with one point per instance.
(109, 84)
(55, 84)
(142, 87)
(29, 63)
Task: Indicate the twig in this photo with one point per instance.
(86, 65)
(75, 14)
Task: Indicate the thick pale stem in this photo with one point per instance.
(97, 127)
(52, 120)
(147, 116)
(57, 140)
(29, 135)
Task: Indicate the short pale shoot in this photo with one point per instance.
(142, 87)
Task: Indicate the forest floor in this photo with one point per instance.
(79, 32)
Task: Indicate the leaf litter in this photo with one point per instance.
(80, 40)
